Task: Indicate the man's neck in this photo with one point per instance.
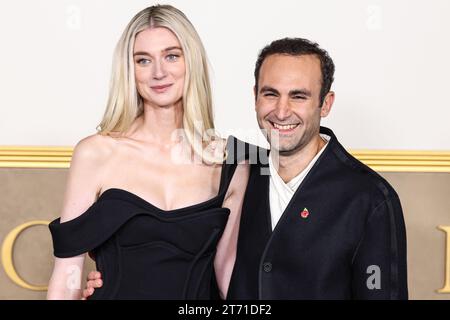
(290, 166)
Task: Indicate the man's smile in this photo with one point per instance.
(284, 128)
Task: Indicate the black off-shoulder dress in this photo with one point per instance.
(144, 252)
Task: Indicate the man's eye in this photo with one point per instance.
(143, 61)
(172, 57)
(299, 97)
(269, 95)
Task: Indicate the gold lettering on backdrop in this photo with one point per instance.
(7, 255)
(446, 288)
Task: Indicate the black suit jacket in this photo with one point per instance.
(351, 246)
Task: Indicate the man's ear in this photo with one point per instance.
(327, 104)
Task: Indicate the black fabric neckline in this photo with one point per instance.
(119, 193)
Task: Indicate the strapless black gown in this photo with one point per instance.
(144, 252)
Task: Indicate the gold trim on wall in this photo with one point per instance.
(404, 161)
(35, 157)
(378, 160)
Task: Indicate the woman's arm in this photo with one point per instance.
(83, 185)
(226, 248)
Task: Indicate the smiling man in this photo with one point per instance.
(322, 225)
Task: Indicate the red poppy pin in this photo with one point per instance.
(305, 213)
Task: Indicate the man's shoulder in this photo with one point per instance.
(363, 178)
(242, 150)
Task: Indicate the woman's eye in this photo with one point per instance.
(172, 57)
(143, 61)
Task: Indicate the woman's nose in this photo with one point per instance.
(159, 70)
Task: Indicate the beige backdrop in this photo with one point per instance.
(36, 194)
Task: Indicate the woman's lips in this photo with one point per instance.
(161, 89)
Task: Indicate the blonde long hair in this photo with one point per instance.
(124, 102)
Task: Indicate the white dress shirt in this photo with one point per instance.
(280, 193)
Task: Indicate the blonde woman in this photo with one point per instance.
(156, 205)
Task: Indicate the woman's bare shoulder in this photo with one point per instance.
(85, 174)
(94, 147)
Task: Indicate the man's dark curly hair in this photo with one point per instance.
(299, 47)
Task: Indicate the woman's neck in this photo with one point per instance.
(159, 124)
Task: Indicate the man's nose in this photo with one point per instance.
(159, 70)
(283, 110)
